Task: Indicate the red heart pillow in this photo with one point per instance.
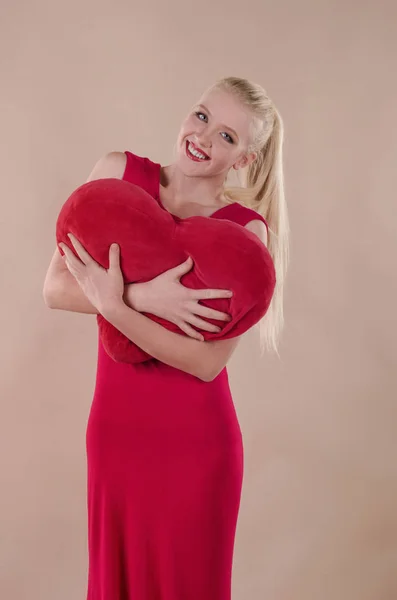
(151, 240)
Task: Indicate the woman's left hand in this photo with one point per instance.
(103, 288)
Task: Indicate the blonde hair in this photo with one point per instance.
(263, 191)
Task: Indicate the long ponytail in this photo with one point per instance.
(263, 191)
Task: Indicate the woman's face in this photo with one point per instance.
(217, 131)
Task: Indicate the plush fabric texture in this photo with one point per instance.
(151, 240)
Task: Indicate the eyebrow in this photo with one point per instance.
(223, 125)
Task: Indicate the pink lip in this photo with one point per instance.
(198, 149)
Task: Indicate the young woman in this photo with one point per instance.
(164, 446)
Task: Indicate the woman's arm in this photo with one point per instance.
(105, 289)
(61, 290)
(204, 360)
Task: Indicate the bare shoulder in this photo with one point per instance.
(111, 165)
(259, 228)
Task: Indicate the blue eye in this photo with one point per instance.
(230, 140)
(198, 113)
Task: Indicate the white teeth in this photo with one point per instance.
(196, 153)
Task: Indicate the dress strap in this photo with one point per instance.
(143, 172)
(239, 214)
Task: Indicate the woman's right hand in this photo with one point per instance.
(167, 298)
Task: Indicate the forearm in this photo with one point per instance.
(65, 294)
(178, 351)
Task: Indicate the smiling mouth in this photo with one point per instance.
(194, 154)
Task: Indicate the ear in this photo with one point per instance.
(245, 160)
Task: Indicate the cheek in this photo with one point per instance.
(187, 123)
(224, 152)
(192, 125)
(184, 130)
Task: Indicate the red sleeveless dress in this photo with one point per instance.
(165, 470)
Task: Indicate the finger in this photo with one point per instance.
(72, 270)
(210, 313)
(184, 267)
(190, 331)
(114, 256)
(201, 324)
(209, 294)
(82, 253)
(70, 257)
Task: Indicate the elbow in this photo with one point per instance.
(199, 373)
(207, 379)
(207, 375)
(207, 367)
(53, 291)
(49, 297)
(212, 371)
(199, 368)
(210, 377)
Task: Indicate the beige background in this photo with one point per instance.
(80, 78)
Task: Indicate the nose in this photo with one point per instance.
(203, 141)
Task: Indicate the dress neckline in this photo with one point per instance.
(176, 216)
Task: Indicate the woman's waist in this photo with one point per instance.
(153, 397)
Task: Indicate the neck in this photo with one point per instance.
(206, 191)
